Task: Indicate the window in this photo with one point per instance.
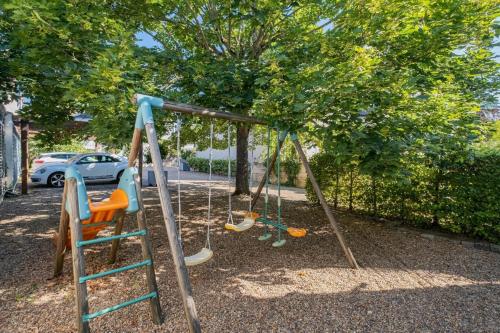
(89, 159)
(108, 159)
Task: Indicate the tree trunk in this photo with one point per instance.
(241, 160)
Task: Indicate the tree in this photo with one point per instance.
(370, 84)
(217, 49)
(73, 57)
(7, 82)
(368, 80)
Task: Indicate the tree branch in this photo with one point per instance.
(204, 40)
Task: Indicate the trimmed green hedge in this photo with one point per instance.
(292, 169)
(219, 167)
(464, 198)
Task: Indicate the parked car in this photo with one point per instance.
(56, 157)
(93, 167)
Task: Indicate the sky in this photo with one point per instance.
(145, 40)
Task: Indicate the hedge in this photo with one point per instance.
(464, 198)
(219, 167)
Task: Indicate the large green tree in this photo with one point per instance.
(216, 48)
(388, 76)
(372, 80)
(72, 57)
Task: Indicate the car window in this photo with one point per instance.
(72, 159)
(89, 159)
(61, 156)
(108, 159)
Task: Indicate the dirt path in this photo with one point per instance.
(407, 283)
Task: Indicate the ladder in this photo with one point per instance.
(80, 216)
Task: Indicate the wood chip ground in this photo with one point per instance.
(406, 284)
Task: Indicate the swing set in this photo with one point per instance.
(145, 122)
(82, 219)
(250, 217)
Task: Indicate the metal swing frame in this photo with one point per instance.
(145, 122)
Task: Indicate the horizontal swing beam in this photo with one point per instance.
(206, 112)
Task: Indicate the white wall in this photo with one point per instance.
(217, 154)
(12, 107)
(260, 153)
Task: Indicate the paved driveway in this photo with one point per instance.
(220, 182)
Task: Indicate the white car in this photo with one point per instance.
(92, 167)
(49, 158)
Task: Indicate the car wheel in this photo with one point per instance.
(118, 176)
(56, 179)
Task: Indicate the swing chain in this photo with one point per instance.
(209, 221)
(179, 216)
(251, 142)
(229, 209)
(278, 175)
(266, 197)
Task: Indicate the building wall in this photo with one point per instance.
(218, 154)
(492, 114)
(259, 170)
(259, 163)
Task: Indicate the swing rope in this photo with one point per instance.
(266, 197)
(229, 209)
(278, 174)
(251, 142)
(179, 215)
(209, 221)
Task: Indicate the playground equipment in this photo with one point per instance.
(250, 216)
(85, 219)
(77, 209)
(206, 253)
(144, 121)
(280, 227)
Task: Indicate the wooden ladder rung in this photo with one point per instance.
(110, 238)
(90, 316)
(86, 278)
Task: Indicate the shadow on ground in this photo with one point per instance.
(406, 283)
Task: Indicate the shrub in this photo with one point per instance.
(219, 167)
(292, 169)
(463, 198)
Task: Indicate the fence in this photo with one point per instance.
(10, 155)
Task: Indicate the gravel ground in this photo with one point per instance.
(407, 283)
